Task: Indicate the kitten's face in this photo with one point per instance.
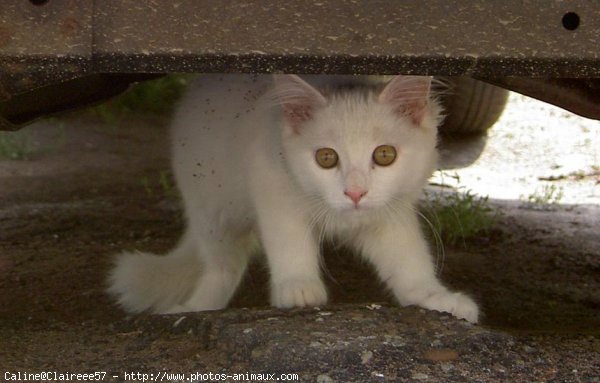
(357, 155)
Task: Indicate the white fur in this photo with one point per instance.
(248, 177)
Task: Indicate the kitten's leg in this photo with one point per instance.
(224, 260)
(293, 255)
(402, 260)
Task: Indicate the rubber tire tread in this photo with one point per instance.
(471, 106)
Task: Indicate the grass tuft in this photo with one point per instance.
(545, 198)
(148, 97)
(458, 216)
(162, 185)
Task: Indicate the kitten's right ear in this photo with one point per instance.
(297, 98)
(408, 96)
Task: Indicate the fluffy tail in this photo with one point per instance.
(148, 282)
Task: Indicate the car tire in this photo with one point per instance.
(471, 106)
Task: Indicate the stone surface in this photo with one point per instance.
(75, 203)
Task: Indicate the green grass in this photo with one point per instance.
(547, 196)
(161, 185)
(458, 216)
(25, 143)
(148, 97)
(156, 97)
(16, 145)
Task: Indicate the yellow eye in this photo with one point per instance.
(327, 158)
(384, 155)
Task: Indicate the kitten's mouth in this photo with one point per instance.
(355, 208)
(362, 208)
(352, 209)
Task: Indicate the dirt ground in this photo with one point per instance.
(91, 191)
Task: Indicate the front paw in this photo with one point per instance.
(298, 293)
(457, 304)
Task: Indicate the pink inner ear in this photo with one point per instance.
(297, 98)
(408, 96)
(296, 115)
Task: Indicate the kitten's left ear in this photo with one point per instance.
(297, 98)
(408, 96)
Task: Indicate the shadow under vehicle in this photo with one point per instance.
(60, 54)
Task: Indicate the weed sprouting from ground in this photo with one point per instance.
(161, 185)
(545, 198)
(458, 216)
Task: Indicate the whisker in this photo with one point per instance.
(439, 245)
(320, 220)
(327, 220)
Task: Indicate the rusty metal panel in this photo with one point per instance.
(55, 27)
(581, 96)
(58, 39)
(43, 44)
(510, 37)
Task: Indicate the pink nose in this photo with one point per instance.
(355, 194)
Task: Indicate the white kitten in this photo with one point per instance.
(276, 161)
